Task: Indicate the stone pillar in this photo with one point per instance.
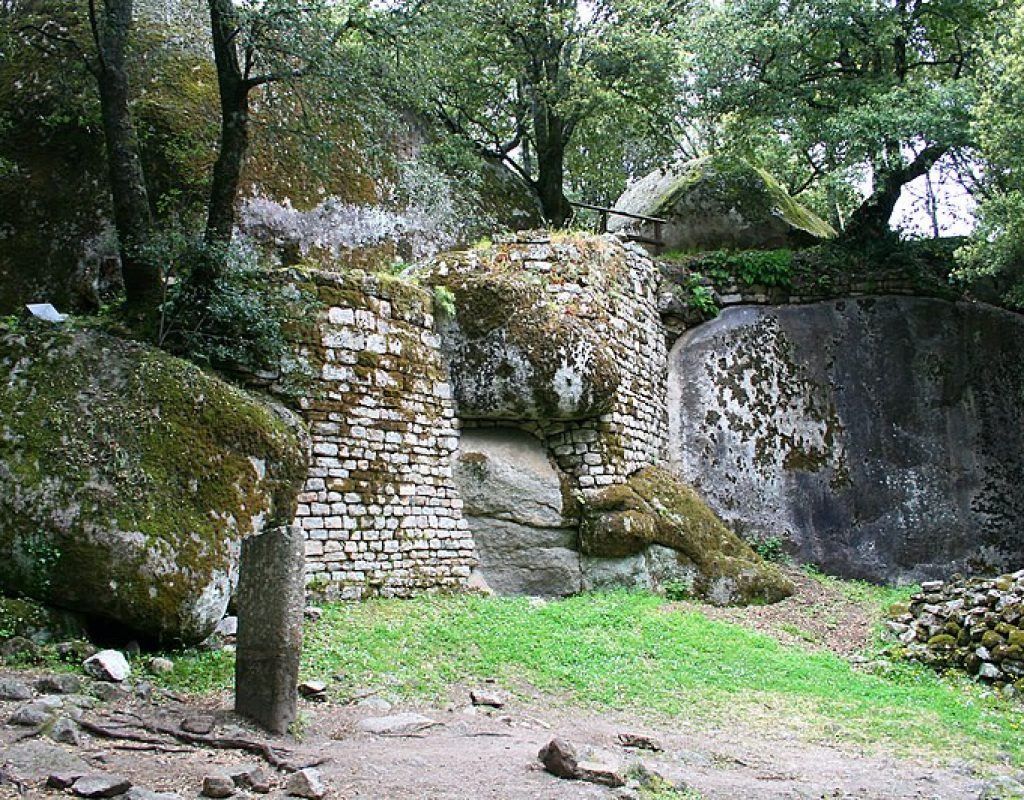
(270, 600)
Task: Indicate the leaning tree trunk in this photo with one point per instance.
(132, 216)
(871, 219)
(234, 137)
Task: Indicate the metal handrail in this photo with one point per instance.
(656, 241)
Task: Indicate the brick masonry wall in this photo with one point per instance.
(379, 511)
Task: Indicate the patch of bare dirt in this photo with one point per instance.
(817, 617)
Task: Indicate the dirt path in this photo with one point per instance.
(473, 752)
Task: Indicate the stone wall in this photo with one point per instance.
(379, 510)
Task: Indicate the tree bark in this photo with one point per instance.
(234, 136)
(132, 216)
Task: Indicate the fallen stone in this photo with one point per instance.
(639, 741)
(218, 785)
(201, 724)
(36, 760)
(313, 613)
(990, 672)
(559, 758)
(375, 704)
(107, 665)
(227, 628)
(144, 690)
(100, 786)
(32, 715)
(396, 724)
(306, 783)
(603, 774)
(482, 697)
(64, 779)
(11, 689)
(18, 648)
(160, 666)
(313, 690)
(66, 731)
(60, 683)
(253, 778)
(110, 692)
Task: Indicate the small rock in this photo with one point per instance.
(218, 785)
(254, 778)
(76, 651)
(313, 690)
(559, 758)
(144, 690)
(313, 613)
(990, 671)
(306, 783)
(482, 697)
(65, 731)
(32, 715)
(64, 779)
(100, 786)
(1002, 788)
(201, 724)
(60, 683)
(603, 774)
(396, 724)
(18, 648)
(110, 692)
(107, 665)
(638, 741)
(227, 628)
(160, 666)
(11, 689)
(375, 704)
(34, 760)
(927, 587)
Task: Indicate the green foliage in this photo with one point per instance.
(535, 83)
(749, 267)
(770, 547)
(996, 249)
(239, 322)
(700, 297)
(830, 90)
(676, 590)
(444, 301)
(623, 650)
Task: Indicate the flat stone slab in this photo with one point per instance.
(12, 689)
(397, 724)
(34, 761)
(100, 785)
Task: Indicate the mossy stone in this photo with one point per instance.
(665, 511)
(942, 641)
(991, 639)
(129, 477)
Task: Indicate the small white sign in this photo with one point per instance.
(46, 311)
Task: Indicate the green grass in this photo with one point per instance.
(622, 651)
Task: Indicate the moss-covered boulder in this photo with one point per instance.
(128, 478)
(716, 203)
(655, 507)
(516, 354)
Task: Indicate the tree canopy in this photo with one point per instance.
(541, 84)
(879, 86)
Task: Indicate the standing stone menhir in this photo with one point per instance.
(270, 599)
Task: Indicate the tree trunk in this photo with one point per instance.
(132, 216)
(234, 133)
(871, 219)
(551, 169)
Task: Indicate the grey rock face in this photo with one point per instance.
(882, 437)
(100, 786)
(35, 760)
(306, 783)
(559, 758)
(513, 503)
(13, 689)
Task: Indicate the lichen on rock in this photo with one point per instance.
(655, 507)
(128, 478)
